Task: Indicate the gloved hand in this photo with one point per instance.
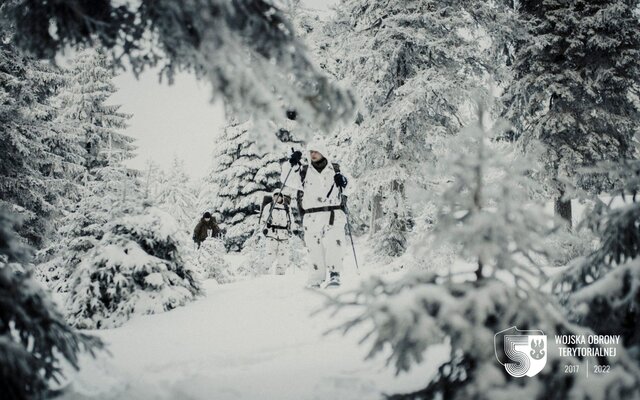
(295, 158)
(340, 180)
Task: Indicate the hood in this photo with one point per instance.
(318, 144)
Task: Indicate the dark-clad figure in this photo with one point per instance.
(207, 227)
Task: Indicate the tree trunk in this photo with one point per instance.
(376, 213)
(479, 270)
(562, 208)
(376, 206)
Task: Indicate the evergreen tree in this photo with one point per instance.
(575, 75)
(487, 214)
(66, 154)
(34, 338)
(152, 176)
(40, 157)
(486, 210)
(175, 195)
(134, 264)
(116, 255)
(82, 108)
(602, 289)
(81, 229)
(206, 194)
(209, 263)
(412, 65)
(242, 175)
(83, 103)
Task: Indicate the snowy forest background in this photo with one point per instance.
(492, 148)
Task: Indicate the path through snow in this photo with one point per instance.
(247, 340)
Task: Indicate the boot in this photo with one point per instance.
(333, 281)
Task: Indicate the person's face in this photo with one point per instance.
(278, 199)
(207, 219)
(315, 156)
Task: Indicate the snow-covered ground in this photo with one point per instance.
(254, 339)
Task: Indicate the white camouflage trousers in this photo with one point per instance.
(277, 255)
(325, 244)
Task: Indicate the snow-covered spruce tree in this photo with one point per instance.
(152, 176)
(34, 338)
(107, 189)
(135, 268)
(575, 75)
(486, 209)
(83, 102)
(412, 65)
(242, 176)
(66, 154)
(246, 49)
(602, 289)
(206, 194)
(176, 197)
(83, 109)
(39, 156)
(85, 135)
(119, 256)
(487, 213)
(209, 263)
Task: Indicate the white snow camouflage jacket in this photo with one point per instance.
(319, 189)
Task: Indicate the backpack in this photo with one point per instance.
(266, 200)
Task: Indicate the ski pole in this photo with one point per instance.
(353, 246)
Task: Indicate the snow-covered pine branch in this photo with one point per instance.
(35, 340)
(246, 49)
(422, 310)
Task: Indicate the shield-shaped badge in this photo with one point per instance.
(521, 352)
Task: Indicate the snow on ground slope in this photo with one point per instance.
(254, 339)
